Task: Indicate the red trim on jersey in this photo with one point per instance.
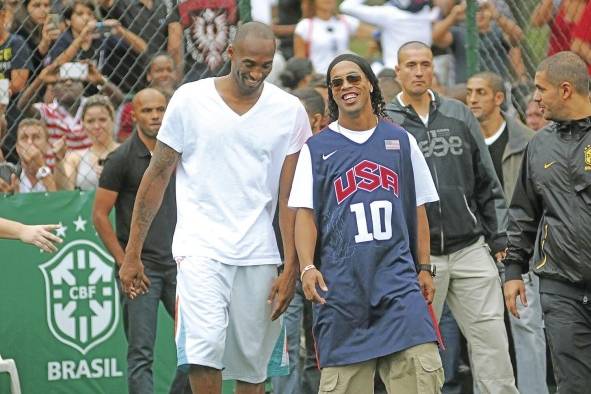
(436, 326)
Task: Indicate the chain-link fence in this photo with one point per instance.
(57, 53)
(513, 36)
(76, 64)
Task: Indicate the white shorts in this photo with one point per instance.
(223, 319)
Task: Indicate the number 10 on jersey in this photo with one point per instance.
(382, 229)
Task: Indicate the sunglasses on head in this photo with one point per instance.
(353, 79)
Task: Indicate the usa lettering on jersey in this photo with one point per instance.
(367, 176)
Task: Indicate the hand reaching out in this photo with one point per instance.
(41, 236)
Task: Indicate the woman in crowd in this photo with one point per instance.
(113, 48)
(39, 28)
(98, 120)
(325, 35)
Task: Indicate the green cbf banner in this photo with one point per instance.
(60, 313)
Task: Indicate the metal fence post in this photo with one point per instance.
(244, 10)
(472, 41)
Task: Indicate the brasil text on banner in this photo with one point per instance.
(60, 315)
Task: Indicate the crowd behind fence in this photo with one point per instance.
(61, 57)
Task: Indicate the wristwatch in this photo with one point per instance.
(430, 268)
(42, 173)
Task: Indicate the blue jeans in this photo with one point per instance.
(293, 383)
(450, 357)
(140, 318)
(529, 340)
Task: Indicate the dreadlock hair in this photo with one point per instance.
(377, 101)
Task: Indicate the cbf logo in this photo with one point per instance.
(81, 295)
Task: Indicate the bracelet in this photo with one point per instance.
(306, 269)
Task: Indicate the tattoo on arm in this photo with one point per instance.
(150, 193)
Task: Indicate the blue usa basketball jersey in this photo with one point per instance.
(365, 211)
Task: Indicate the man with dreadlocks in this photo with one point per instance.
(362, 239)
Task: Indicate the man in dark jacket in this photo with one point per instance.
(471, 214)
(550, 218)
(507, 140)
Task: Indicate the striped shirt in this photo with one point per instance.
(61, 123)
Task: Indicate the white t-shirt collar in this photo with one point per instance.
(356, 136)
(424, 119)
(399, 97)
(493, 138)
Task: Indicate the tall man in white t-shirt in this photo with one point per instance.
(234, 142)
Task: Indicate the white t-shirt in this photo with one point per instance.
(302, 194)
(227, 179)
(27, 187)
(326, 39)
(397, 26)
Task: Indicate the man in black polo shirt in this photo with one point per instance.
(118, 184)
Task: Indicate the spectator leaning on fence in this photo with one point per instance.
(62, 112)
(494, 49)
(98, 122)
(112, 47)
(156, 22)
(32, 144)
(39, 29)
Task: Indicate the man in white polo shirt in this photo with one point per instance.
(234, 142)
